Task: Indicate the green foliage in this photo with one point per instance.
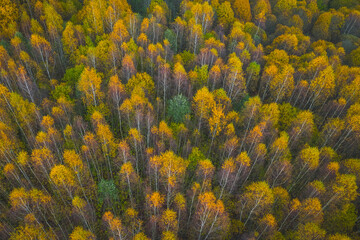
(107, 191)
(354, 57)
(252, 75)
(178, 108)
(187, 59)
(343, 3)
(72, 75)
(62, 90)
(171, 37)
(288, 113)
(239, 105)
(202, 76)
(341, 220)
(322, 4)
(195, 156)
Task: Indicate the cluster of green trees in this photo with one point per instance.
(178, 119)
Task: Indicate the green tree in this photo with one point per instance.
(341, 219)
(179, 107)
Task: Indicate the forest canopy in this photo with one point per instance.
(170, 119)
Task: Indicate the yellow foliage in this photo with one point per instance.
(169, 220)
(78, 203)
(155, 199)
(19, 198)
(180, 201)
(243, 159)
(141, 236)
(42, 157)
(62, 176)
(311, 210)
(269, 220)
(203, 103)
(37, 197)
(217, 120)
(168, 235)
(23, 158)
(310, 157)
(345, 187)
(9, 169)
(259, 195)
(90, 85)
(79, 233)
(73, 160)
(171, 167)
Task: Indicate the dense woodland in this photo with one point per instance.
(235, 119)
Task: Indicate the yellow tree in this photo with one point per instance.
(282, 84)
(171, 169)
(205, 172)
(322, 87)
(311, 211)
(210, 217)
(235, 82)
(119, 34)
(43, 159)
(92, 13)
(81, 171)
(136, 140)
(242, 164)
(116, 93)
(242, 9)
(268, 225)
(163, 136)
(141, 236)
(168, 235)
(32, 229)
(128, 68)
(54, 24)
(180, 77)
(19, 199)
(72, 37)
(225, 14)
(154, 201)
(63, 178)
(257, 198)
(108, 146)
(203, 103)
(8, 17)
(90, 86)
(309, 231)
(114, 225)
(132, 221)
(80, 207)
(168, 221)
(25, 114)
(195, 37)
(302, 129)
(217, 122)
(351, 92)
(79, 233)
(203, 14)
(129, 176)
(143, 81)
(227, 172)
(180, 206)
(43, 50)
(279, 150)
(308, 160)
(344, 188)
(179, 26)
